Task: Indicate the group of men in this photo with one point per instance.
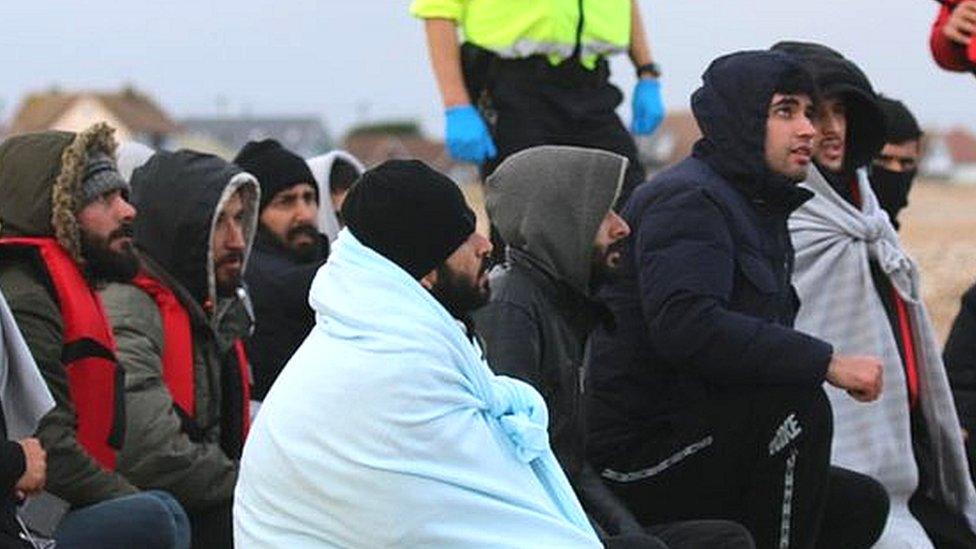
(739, 358)
(139, 341)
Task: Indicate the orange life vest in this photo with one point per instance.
(178, 363)
(96, 383)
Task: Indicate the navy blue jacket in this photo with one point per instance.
(704, 298)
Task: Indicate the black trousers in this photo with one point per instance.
(762, 460)
(212, 528)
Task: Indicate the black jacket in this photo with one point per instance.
(278, 284)
(13, 463)
(960, 361)
(704, 299)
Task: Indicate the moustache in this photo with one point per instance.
(124, 231)
(304, 229)
(231, 257)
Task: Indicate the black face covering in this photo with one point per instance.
(892, 188)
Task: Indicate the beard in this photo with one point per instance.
(105, 264)
(227, 286)
(459, 294)
(604, 269)
(306, 251)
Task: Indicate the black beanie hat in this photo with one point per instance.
(409, 213)
(900, 124)
(276, 168)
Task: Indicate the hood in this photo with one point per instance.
(731, 108)
(178, 195)
(133, 154)
(836, 76)
(40, 183)
(549, 202)
(321, 167)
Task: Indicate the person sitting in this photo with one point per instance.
(388, 428)
(179, 325)
(65, 231)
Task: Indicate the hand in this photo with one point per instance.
(467, 135)
(962, 23)
(35, 471)
(647, 106)
(860, 376)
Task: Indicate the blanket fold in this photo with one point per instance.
(835, 243)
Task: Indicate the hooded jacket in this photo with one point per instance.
(40, 190)
(837, 76)
(193, 458)
(548, 203)
(703, 298)
(321, 167)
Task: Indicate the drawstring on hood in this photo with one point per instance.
(549, 202)
(732, 107)
(41, 183)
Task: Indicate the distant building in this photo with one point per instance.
(671, 143)
(950, 155)
(134, 115)
(304, 135)
(374, 148)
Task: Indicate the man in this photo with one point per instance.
(179, 325)
(537, 74)
(860, 292)
(288, 250)
(388, 428)
(553, 205)
(65, 227)
(951, 40)
(895, 167)
(704, 402)
(335, 172)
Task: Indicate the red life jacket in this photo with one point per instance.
(96, 383)
(178, 363)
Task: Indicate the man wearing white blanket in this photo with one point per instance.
(387, 428)
(860, 292)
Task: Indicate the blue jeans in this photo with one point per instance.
(147, 520)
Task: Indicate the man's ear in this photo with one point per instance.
(429, 280)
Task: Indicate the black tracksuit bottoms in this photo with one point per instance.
(763, 460)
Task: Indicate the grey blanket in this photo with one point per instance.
(834, 242)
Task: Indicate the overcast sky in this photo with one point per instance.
(365, 60)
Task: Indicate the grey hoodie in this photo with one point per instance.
(549, 202)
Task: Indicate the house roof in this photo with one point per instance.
(375, 148)
(304, 135)
(962, 145)
(139, 113)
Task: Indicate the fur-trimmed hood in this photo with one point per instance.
(40, 182)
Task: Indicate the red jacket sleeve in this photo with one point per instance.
(947, 54)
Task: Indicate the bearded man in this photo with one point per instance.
(387, 428)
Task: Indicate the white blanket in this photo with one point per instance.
(834, 242)
(387, 429)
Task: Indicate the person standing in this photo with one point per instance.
(536, 73)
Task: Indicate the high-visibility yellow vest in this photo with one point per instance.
(520, 28)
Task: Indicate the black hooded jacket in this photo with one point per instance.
(279, 284)
(837, 76)
(704, 298)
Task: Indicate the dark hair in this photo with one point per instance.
(900, 124)
(342, 175)
(798, 82)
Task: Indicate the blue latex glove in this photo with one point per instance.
(647, 106)
(467, 136)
